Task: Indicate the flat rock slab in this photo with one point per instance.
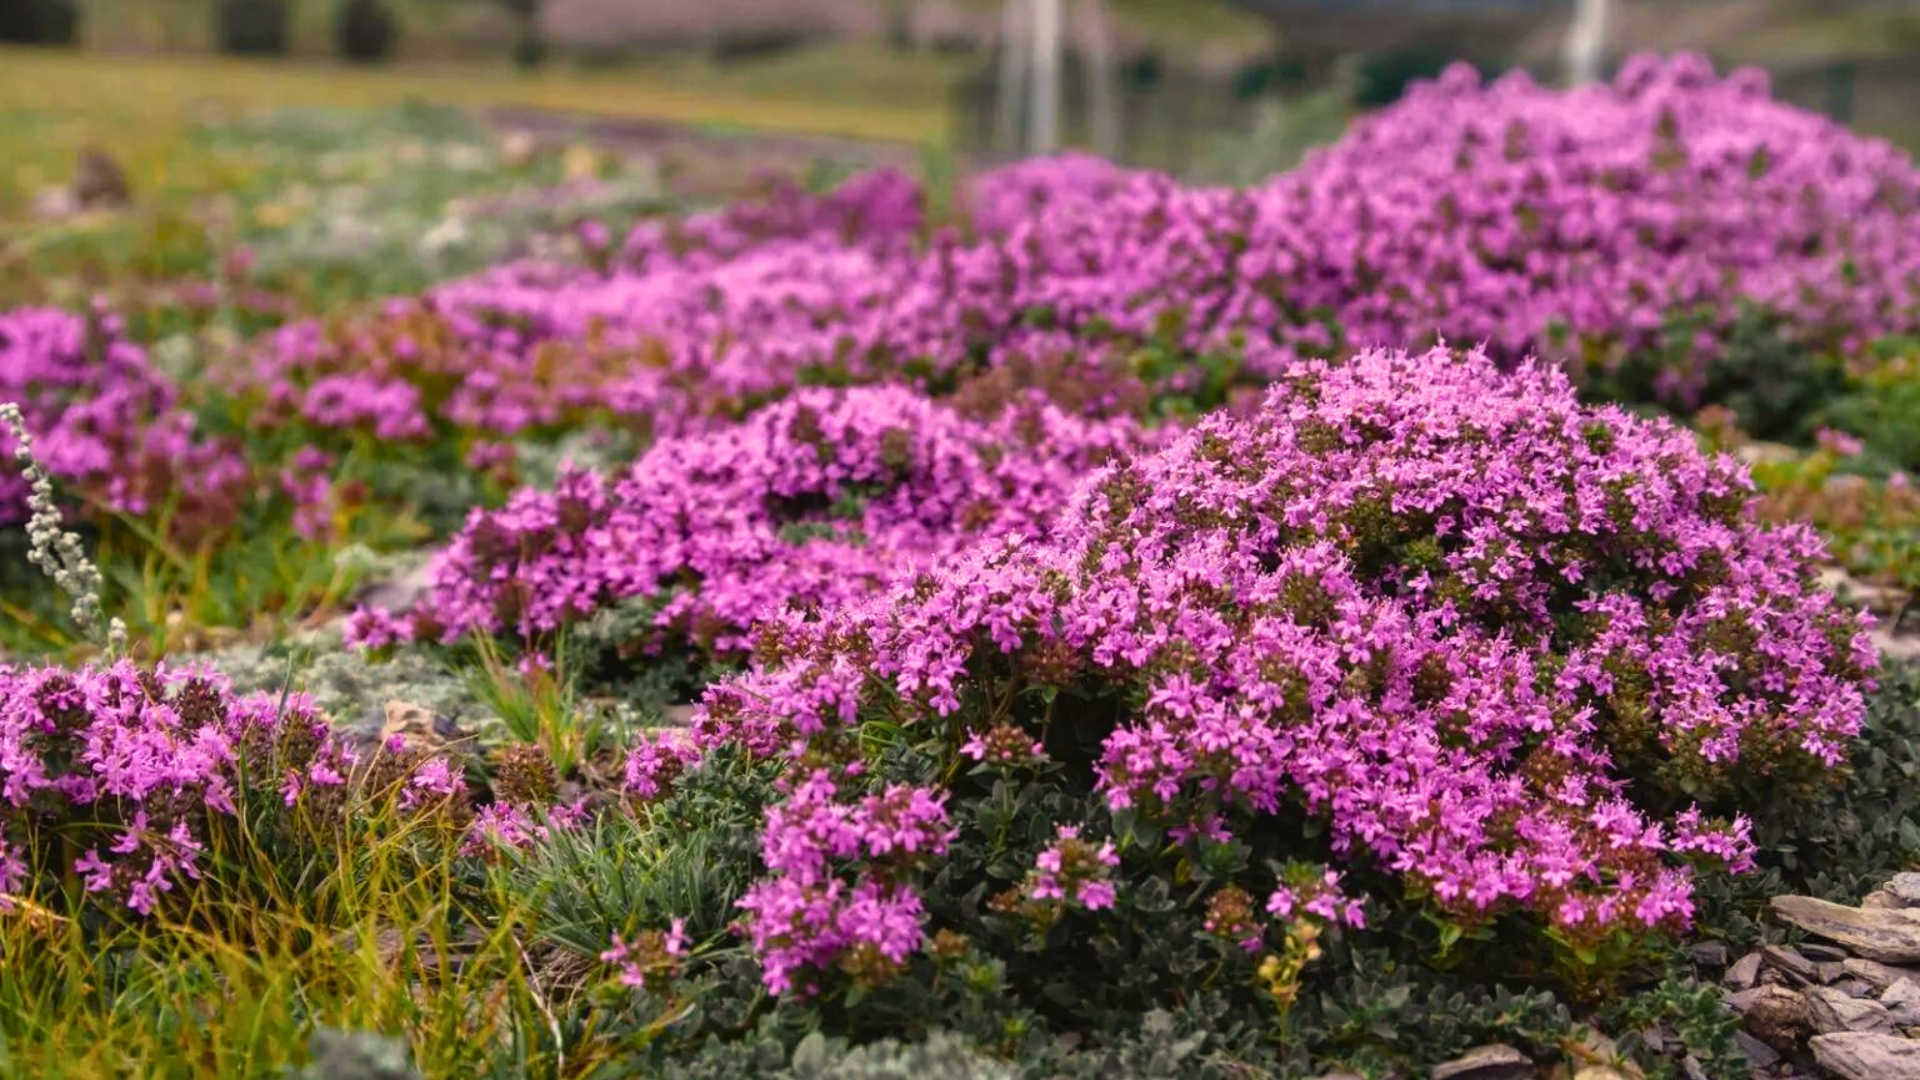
(1758, 1053)
(1889, 935)
(1744, 972)
(1796, 967)
(1831, 1010)
(1855, 1055)
(1879, 975)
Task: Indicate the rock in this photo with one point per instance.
(1901, 647)
(1494, 1062)
(1744, 971)
(1902, 1000)
(99, 182)
(1829, 1010)
(1758, 1053)
(1881, 898)
(1854, 1055)
(1599, 1072)
(357, 1055)
(1774, 1013)
(398, 592)
(54, 204)
(1889, 935)
(1854, 987)
(419, 728)
(1878, 975)
(1711, 954)
(1905, 888)
(1880, 599)
(517, 148)
(1820, 954)
(1798, 969)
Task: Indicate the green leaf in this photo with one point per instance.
(810, 1056)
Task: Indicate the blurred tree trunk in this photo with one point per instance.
(1043, 127)
(1011, 95)
(1586, 46)
(1098, 64)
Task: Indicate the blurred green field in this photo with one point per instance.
(347, 181)
(52, 103)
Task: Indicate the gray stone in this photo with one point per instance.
(1820, 954)
(1798, 969)
(1855, 987)
(1881, 898)
(1879, 975)
(1760, 1054)
(1856, 1055)
(1902, 1000)
(1905, 887)
(1744, 971)
(99, 182)
(357, 1055)
(1711, 954)
(1829, 1010)
(1494, 1062)
(405, 584)
(1889, 935)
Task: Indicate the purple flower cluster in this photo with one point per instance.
(804, 918)
(1000, 199)
(1073, 871)
(508, 825)
(1571, 223)
(666, 336)
(816, 501)
(112, 771)
(877, 209)
(652, 961)
(1475, 627)
(105, 423)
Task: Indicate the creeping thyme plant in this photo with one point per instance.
(1129, 629)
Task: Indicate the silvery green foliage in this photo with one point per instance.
(56, 551)
(599, 449)
(941, 1057)
(357, 1055)
(349, 687)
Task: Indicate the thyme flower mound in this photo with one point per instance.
(113, 773)
(1520, 654)
(106, 422)
(816, 501)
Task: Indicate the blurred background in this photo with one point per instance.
(364, 146)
